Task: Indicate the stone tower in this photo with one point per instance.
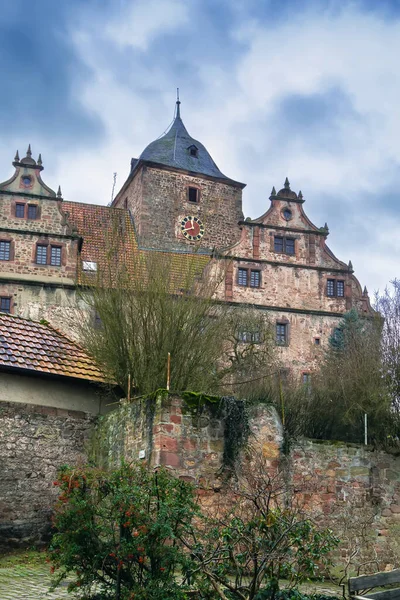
(178, 197)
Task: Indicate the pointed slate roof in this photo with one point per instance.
(173, 149)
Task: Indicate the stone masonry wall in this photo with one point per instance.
(348, 487)
(158, 199)
(188, 442)
(34, 442)
(355, 491)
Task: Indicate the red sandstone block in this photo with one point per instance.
(169, 459)
(176, 419)
(395, 509)
(168, 443)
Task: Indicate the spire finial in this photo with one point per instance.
(16, 158)
(287, 184)
(178, 105)
(300, 195)
(350, 266)
(59, 194)
(273, 192)
(29, 151)
(365, 292)
(39, 160)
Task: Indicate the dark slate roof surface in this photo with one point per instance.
(172, 150)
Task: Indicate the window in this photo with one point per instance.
(255, 278)
(278, 244)
(5, 304)
(306, 378)
(89, 265)
(5, 250)
(55, 256)
(41, 255)
(317, 341)
(193, 151)
(289, 243)
(242, 276)
(281, 334)
(335, 288)
(20, 211)
(283, 245)
(193, 195)
(26, 180)
(287, 214)
(97, 321)
(249, 337)
(250, 277)
(32, 211)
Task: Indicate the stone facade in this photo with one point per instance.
(34, 442)
(279, 263)
(159, 200)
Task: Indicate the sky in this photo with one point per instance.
(273, 88)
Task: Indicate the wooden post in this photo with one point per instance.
(129, 388)
(168, 370)
(365, 429)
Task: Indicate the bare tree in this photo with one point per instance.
(149, 306)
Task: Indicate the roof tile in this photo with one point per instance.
(40, 348)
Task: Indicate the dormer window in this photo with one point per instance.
(193, 151)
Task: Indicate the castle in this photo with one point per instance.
(176, 199)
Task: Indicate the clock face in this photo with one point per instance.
(192, 228)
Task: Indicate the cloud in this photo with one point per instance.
(304, 89)
(144, 20)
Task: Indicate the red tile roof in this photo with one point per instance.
(102, 227)
(37, 347)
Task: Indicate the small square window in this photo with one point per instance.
(255, 279)
(317, 341)
(193, 195)
(41, 255)
(55, 256)
(32, 211)
(278, 244)
(281, 334)
(335, 287)
(20, 211)
(5, 250)
(283, 245)
(242, 276)
(249, 337)
(5, 304)
(306, 377)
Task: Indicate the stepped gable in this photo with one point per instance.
(35, 347)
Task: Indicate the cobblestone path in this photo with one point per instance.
(30, 582)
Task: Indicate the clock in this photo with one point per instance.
(192, 228)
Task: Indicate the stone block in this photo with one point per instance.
(170, 459)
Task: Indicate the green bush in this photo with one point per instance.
(118, 532)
